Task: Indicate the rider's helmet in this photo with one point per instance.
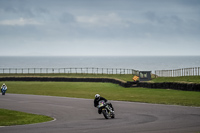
(4, 84)
(97, 96)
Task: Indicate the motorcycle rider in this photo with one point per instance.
(3, 87)
(96, 102)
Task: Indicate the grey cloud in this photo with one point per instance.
(10, 9)
(66, 18)
(151, 16)
(163, 19)
(189, 2)
(21, 8)
(138, 23)
(171, 24)
(17, 9)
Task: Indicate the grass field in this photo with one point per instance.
(9, 117)
(108, 90)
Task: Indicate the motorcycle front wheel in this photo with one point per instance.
(113, 115)
(105, 114)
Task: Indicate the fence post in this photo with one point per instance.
(180, 72)
(174, 73)
(186, 72)
(195, 69)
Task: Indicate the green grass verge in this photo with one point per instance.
(108, 90)
(184, 79)
(9, 117)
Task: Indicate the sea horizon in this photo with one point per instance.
(146, 63)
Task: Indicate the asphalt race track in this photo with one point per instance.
(73, 115)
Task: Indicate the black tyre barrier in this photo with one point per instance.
(171, 85)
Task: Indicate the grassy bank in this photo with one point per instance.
(124, 77)
(9, 117)
(184, 79)
(108, 90)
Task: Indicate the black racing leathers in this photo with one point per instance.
(96, 101)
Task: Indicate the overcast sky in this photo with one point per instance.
(99, 27)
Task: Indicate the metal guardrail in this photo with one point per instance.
(68, 70)
(195, 71)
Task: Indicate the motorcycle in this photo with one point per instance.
(106, 109)
(3, 90)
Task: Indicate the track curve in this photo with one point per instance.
(74, 115)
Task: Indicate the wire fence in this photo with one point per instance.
(195, 71)
(68, 71)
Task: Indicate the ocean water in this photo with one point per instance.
(141, 63)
